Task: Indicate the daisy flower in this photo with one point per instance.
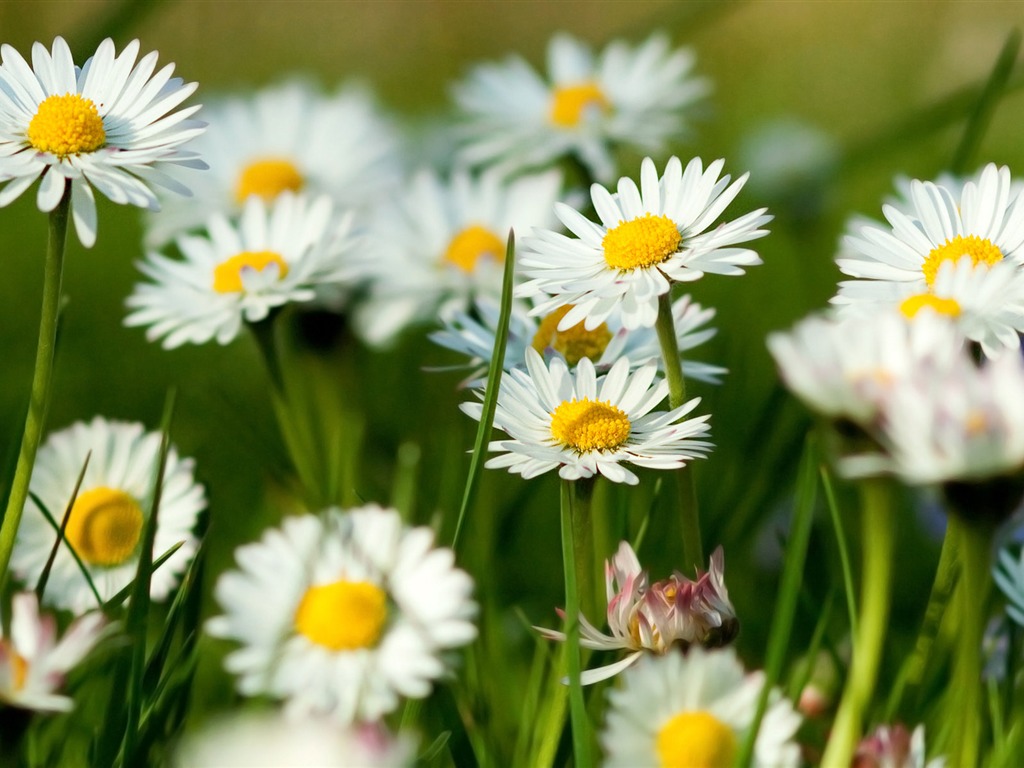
(295, 249)
(674, 613)
(473, 334)
(695, 710)
(586, 107)
(893, 746)
(585, 425)
(106, 125)
(443, 242)
(287, 137)
(648, 237)
(342, 613)
(107, 519)
(33, 662)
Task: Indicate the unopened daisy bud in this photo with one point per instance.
(893, 746)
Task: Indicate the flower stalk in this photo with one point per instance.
(577, 707)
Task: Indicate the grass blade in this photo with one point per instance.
(844, 550)
(59, 529)
(45, 575)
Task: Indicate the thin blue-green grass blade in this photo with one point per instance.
(123, 594)
(799, 682)
(844, 550)
(435, 750)
(792, 574)
(45, 575)
(59, 530)
(483, 433)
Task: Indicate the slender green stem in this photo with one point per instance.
(53, 269)
(264, 333)
(844, 553)
(583, 544)
(874, 616)
(577, 707)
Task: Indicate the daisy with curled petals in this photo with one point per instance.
(294, 249)
(33, 662)
(473, 335)
(674, 613)
(288, 137)
(441, 243)
(587, 107)
(585, 425)
(695, 710)
(648, 238)
(109, 513)
(342, 613)
(107, 125)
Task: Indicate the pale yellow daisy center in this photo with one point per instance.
(343, 615)
(17, 666)
(696, 740)
(104, 526)
(980, 249)
(227, 276)
(569, 103)
(641, 242)
(268, 178)
(471, 245)
(589, 425)
(573, 344)
(914, 304)
(66, 125)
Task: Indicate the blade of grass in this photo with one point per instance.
(58, 528)
(124, 593)
(799, 682)
(844, 551)
(45, 575)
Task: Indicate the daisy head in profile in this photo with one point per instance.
(112, 124)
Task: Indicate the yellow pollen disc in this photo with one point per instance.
(981, 250)
(573, 344)
(227, 276)
(696, 740)
(571, 102)
(104, 526)
(268, 178)
(914, 304)
(586, 425)
(641, 242)
(472, 244)
(17, 665)
(66, 125)
(343, 616)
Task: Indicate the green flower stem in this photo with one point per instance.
(583, 545)
(693, 547)
(53, 269)
(877, 544)
(577, 707)
(974, 540)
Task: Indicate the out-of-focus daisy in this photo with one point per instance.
(668, 615)
(1009, 575)
(473, 335)
(106, 522)
(648, 237)
(107, 125)
(295, 249)
(342, 613)
(268, 740)
(287, 137)
(893, 746)
(33, 662)
(586, 107)
(442, 243)
(695, 710)
(585, 425)
(984, 222)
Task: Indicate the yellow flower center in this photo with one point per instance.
(268, 178)
(343, 615)
(586, 425)
(570, 103)
(573, 344)
(66, 125)
(17, 665)
(981, 250)
(696, 740)
(641, 242)
(914, 304)
(227, 276)
(472, 244)
(104, 526)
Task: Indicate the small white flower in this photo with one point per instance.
(292, 250)
(626, 96)
(106, 125)
(648, 237)
(342, 613)
(33, 662)
(695, 709)
(106, 522)
(584, 425)
(893, 746)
